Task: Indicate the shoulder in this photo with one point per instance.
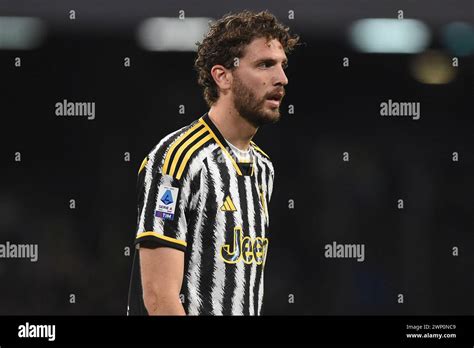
(181, 152)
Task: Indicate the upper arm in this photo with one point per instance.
(161, 271)
(162, 207)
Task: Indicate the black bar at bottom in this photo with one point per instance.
(281, 329)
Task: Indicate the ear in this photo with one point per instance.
(222, 76)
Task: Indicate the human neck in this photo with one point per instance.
(233, 127)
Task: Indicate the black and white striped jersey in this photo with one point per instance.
(194, 195)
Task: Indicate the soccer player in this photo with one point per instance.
(204, 190)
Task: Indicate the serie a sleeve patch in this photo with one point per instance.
(167, 198)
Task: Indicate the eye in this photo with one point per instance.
(265, 64)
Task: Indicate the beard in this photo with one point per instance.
(250, 107)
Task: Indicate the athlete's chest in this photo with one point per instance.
(234, 196)
(238, 206)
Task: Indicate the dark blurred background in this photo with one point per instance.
(336, 109)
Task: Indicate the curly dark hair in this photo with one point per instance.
(226, 40)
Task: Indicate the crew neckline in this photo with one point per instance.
(242, 156)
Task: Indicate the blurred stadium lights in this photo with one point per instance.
(433, 67)
(172, 34)
(21, 33)
(458, 38)
(384, 35)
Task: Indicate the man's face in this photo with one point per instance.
(259, 80)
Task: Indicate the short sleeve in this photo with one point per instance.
(162, 206)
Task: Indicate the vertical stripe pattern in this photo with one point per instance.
(219, 218)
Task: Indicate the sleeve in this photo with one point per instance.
(162, 207)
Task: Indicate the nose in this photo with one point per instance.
(280, 78)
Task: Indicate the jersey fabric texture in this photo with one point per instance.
(195, 196)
